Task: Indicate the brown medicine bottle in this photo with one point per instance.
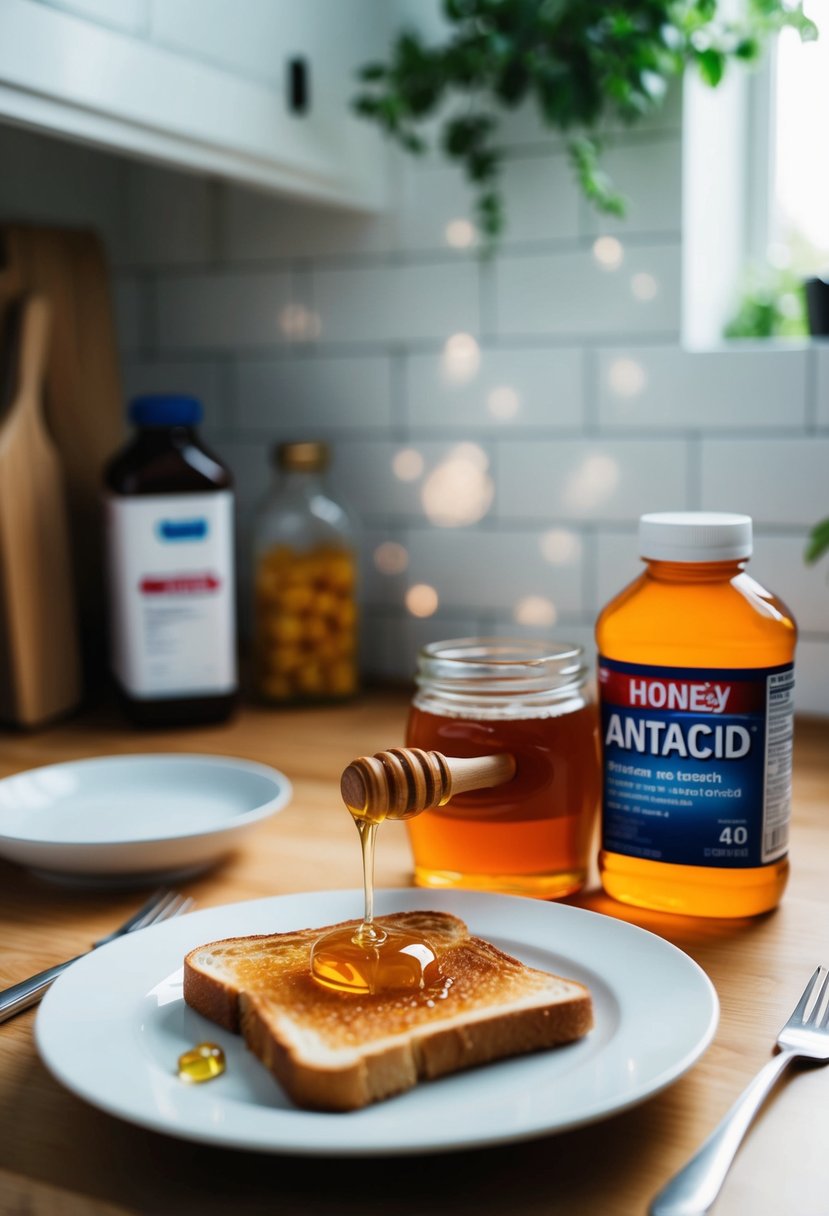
(695, 683)
(169, 507)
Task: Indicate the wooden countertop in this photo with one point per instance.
(58, 1155)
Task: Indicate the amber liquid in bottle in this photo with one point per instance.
(529, 837)
(707, 615)
(368, 958)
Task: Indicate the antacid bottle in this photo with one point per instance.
(696, 679)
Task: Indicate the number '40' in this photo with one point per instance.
(734, 835)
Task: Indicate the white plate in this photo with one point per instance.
(114, 1025)
(132, 817)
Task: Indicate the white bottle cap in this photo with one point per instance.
(694, 536)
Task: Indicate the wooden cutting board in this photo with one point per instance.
(83, 395)
(40, 669)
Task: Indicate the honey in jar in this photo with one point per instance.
(695, 680)
(532, 836)
(305, 629)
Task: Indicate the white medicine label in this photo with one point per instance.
(172, 594)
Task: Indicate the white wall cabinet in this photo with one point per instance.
(204, 85)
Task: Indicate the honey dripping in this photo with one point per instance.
(397, 784)
(367, 958)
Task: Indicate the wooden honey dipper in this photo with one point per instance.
(404, 781)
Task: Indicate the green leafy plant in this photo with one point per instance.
(585, 63)
(772, 305)
(818, 541)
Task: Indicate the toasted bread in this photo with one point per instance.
(337, 1051)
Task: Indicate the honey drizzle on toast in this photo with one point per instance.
(364, 958)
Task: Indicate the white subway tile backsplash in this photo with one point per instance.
(192, 378)
(617, 564)
(184, 200)
(395, 304)
(495, 572)
(384, 566)
(779, 482)
(562, 633)
(570, 294)
(429, 197)
(525, 125)
(320, 394)
(222, 311)
(49, 181)
(548, 437)
(541, 199)
(649, 175)
(508, 390)
(572, 479)
(380, 646)
(778, 564)
(391, 643)
(822, 385)
(541, 203)
(252, 474)
(261, 227)
(128, 301)
(811, 677)
(363, 471)
(666, 387)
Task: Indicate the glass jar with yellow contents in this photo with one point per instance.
(305, 587)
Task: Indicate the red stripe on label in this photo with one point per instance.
(180, 584)
(691, 696)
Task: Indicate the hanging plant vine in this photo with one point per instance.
(584, 63)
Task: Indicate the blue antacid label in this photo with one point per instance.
(697, 763)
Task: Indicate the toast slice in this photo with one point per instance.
(338, 1051)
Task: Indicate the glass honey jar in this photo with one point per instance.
(532, 835)
(305, 585)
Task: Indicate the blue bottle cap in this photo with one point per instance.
(165, 409)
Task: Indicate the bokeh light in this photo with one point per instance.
(503, 402)
(459, 491)
(560, 547)
(407, 464)
(299, 324)
(391, 558)
(609, 252)
(591, 483)
(461, 234)
(461, 358)
(627, 377)
(643, 286)
(422, 600)
(535, 610)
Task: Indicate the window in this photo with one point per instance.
(755, 180)
(799, 204)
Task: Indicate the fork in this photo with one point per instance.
(162, 905)
(693, 1190)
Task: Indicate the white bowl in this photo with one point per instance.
(134, 817)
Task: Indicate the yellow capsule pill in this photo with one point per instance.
(201, 1063)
